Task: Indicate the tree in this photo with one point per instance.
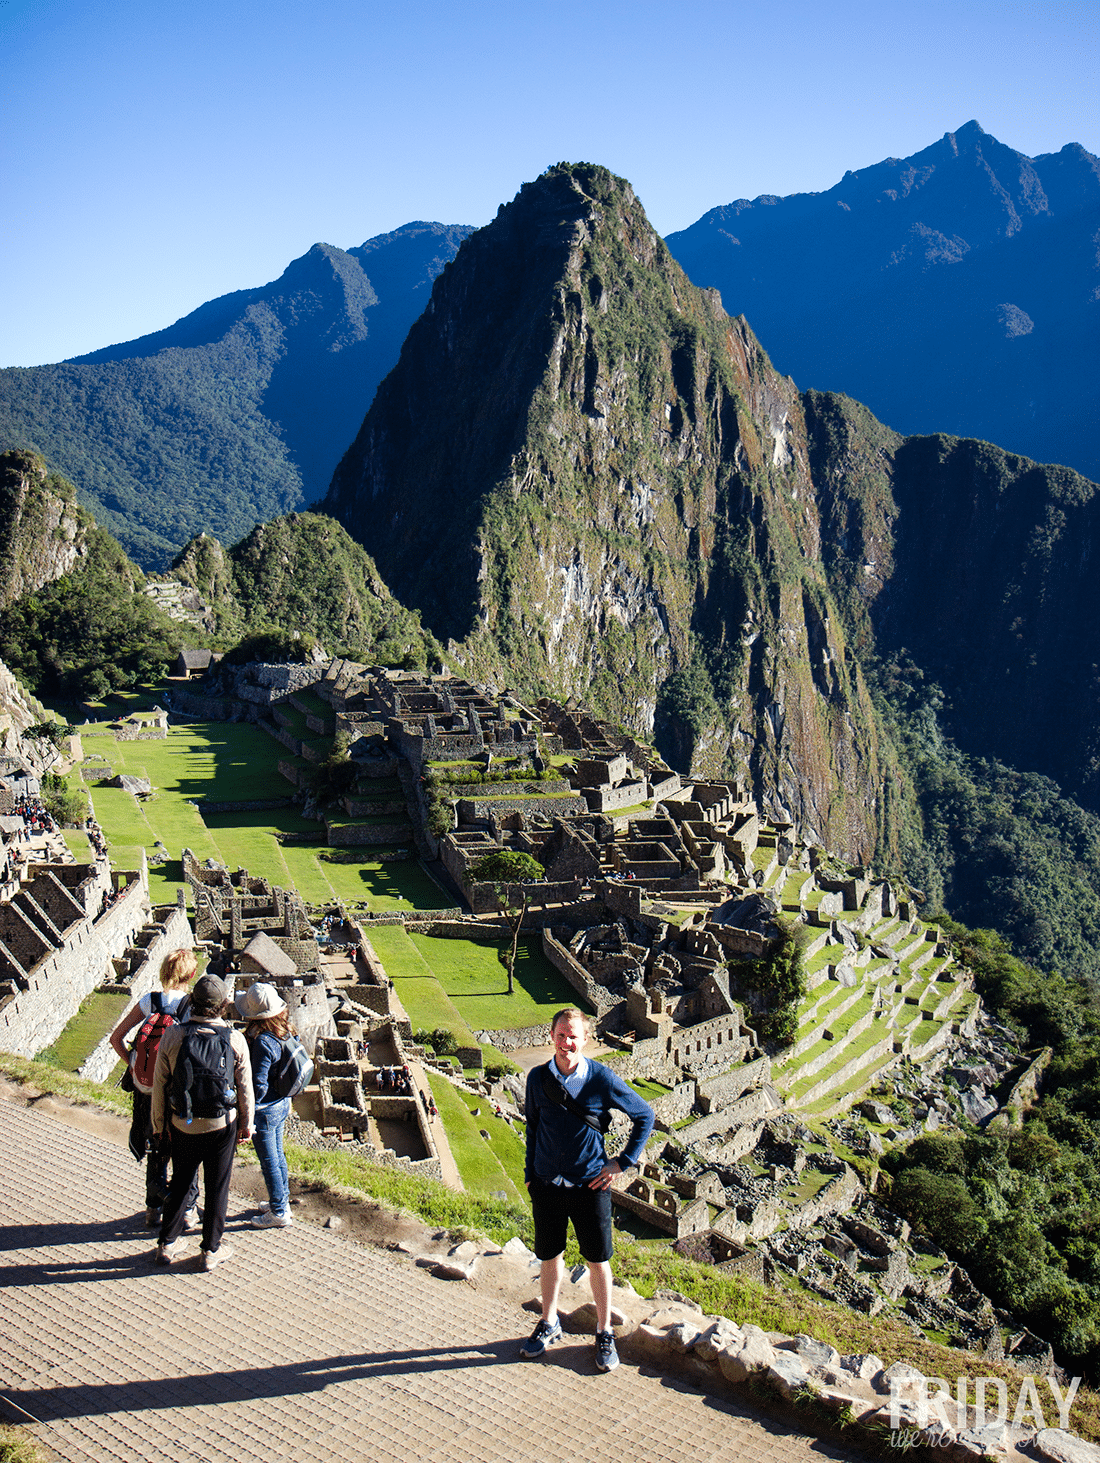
(503, 867)
(506, 866)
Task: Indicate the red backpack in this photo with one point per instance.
(148, 1040)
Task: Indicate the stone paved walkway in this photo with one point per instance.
(303, 1346)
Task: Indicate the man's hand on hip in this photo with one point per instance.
(603, 1179)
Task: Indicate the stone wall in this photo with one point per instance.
(595, 995)
(342, 835)
(480, 810)
(35, 1017)
(748, 1109)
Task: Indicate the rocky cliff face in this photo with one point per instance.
(587, 476)
(18, 711)
(42, 531)
(978, 565)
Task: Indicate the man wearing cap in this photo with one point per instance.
(205, 1113)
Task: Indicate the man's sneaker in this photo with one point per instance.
(541, 1339)
(267, 1220)
(152, 1218)
(211, 1259)
(607, 1358)
(165, 1254)
(191, 1221)
(264, 1205)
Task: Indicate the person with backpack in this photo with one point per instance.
(202, 1103)
(153, 1014)
(275, 1075)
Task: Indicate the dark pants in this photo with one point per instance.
(213, 1153)
(156, 1160)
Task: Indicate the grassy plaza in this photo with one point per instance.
(458, 984)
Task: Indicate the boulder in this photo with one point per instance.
(683, 1336)
(754, 1351)
(583, 1319)
(718, 1337)
(132, 784)
(877, 1112)
(862, 1364)
(811, 1352)
(1063, 1447)
(787, 1375)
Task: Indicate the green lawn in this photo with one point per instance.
(421, 994)
(98, 1014)
(479, 1167)
(508, 1147)
(233, 762)
(477, 982)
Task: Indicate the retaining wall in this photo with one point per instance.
(34, 1018)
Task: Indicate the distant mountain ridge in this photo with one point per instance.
(957, 290)
(240, 410)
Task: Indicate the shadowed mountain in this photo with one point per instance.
(237, 412)
(952, 291)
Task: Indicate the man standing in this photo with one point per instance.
(202, 1095)
(568, 1173)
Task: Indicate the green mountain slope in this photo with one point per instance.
(586, 476)
(304, 572)
(239, 411)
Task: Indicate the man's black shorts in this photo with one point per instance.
(554, 1205)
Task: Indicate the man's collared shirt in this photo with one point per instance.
(572, 1084)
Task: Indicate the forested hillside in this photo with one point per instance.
(240, 410)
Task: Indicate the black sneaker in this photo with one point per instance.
(541, 1339)
(607, 1358)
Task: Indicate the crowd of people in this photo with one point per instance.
(395, 1080)
(34, 815)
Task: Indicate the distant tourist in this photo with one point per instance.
(568, 1173)
(203, 1104)
(268, 1025)
(153, 1014)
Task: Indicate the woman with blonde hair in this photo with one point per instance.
(153, 1014)
(268, 1025)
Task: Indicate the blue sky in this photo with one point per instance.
(155, 154)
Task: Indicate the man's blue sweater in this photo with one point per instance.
(560, 1144)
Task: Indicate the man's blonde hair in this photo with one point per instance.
(570, 1013)
(178, 969)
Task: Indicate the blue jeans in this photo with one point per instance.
(267, 1137)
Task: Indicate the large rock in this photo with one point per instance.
(720, 1336)
(787, 1375)
(1064, 1447)
(752, 1353)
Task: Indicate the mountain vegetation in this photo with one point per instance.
(304, 574)
(951, 291)
(589, 479)
(91, 630)
(239, 411)
(1018, 1205)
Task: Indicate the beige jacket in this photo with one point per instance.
(162, 1081)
